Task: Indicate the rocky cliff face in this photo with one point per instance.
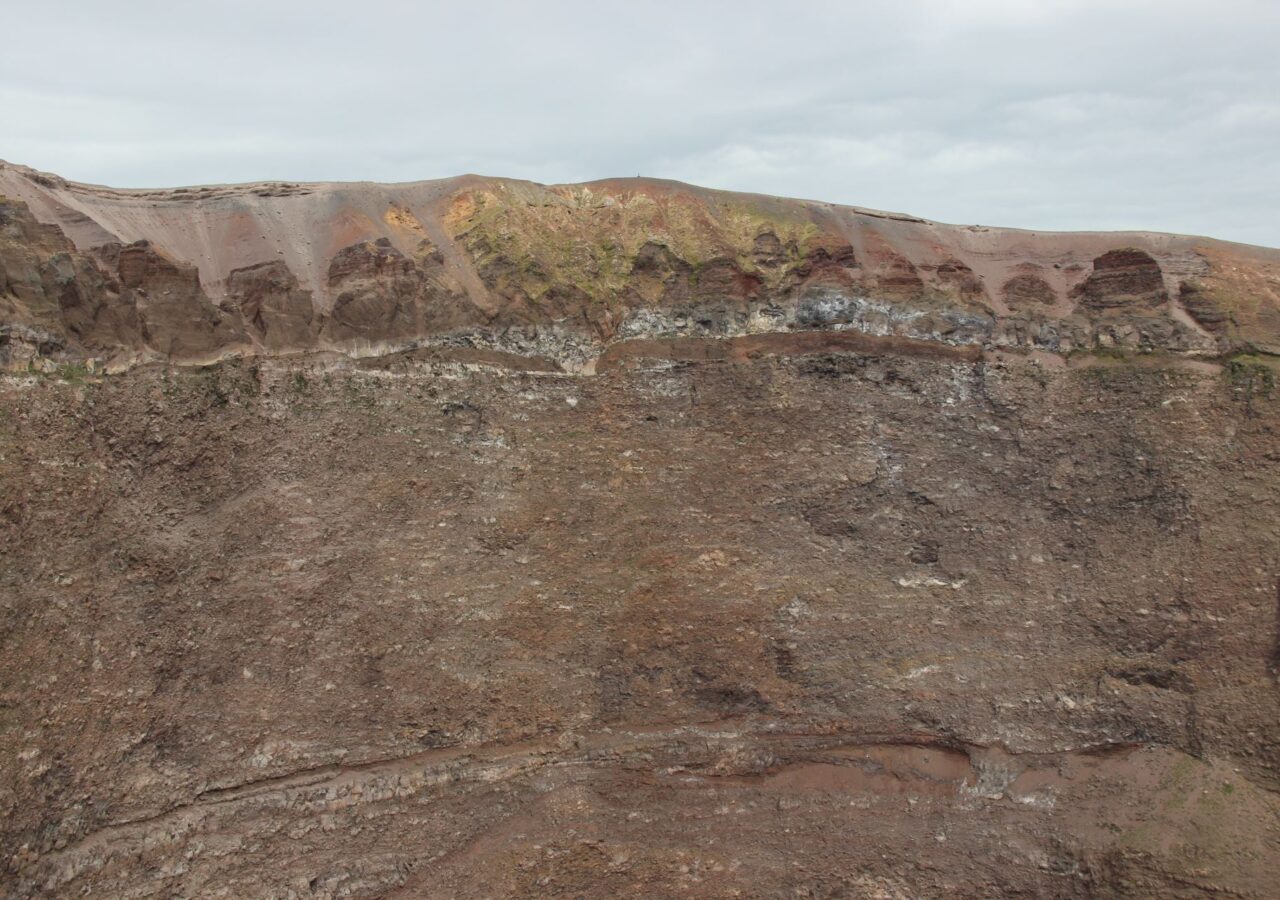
(564, 273)
(478, 538)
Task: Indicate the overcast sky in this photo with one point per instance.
(1065, 114)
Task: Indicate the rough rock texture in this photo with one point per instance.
(1028, 289)
(272, 305)
(382, 295)
(629, 540)
(564, 272)
(1123, 278)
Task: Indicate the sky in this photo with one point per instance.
(1047, 114)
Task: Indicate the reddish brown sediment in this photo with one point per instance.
(574, 268)
(477, 538)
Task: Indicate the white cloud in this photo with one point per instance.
(1048, 114)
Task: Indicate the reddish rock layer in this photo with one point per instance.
(566, 270)
(878, 558)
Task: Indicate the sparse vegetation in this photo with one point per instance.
(535, 240)
(1253, 374)
(70, 372)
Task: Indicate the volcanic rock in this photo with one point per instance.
(478, 538)
(1123, 278)
(274, 308)
(1028, 290)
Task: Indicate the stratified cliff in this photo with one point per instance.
(566, 273)
(477, 538)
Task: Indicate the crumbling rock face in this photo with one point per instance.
(166, 303)
(42, 278)
(274, 308)
(830, 262)
(1028, 291)
(376, 292)
(500, 264)
(382, 295)
(478, 538)
(409, 628)
(768, 252)
(892, 275)
(118, 300)
(23, 347)
(1202, 307)
(1122, 279)
(954, 277)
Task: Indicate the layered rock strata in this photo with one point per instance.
(483, 539)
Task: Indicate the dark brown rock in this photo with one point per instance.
(1027, 291)
(1202, 307)
(768, 251)
(1123, 279)
(627, 539)
(275, 310)
(382, 295)
(679, 629)
(165, 302)
(956, 279)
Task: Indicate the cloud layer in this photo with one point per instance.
(1048, 115)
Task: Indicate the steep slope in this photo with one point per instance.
(477, 538)
(563, 272)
